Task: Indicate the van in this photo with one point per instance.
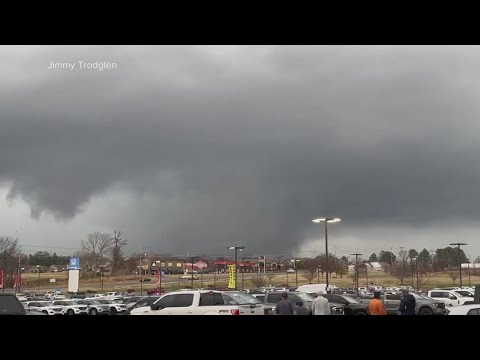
(313, 289)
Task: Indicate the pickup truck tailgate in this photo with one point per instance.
(251, 309)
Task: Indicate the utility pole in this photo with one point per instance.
(391, 261)
(295, 268)
(17, 285)
(459, 262)
(141, 271)
(356, 271)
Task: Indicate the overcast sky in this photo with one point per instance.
(193, 148)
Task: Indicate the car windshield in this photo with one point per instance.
(243, 298)
(305, 297)
(351, 300)
(69, 303)
(95, 302)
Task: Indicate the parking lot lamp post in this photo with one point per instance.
(318, 274)
(326, 220)
(469, 283)
(459, 262)
(356, 271)
(295, 268)
(416, 270)
(236, 248)
(38, 281)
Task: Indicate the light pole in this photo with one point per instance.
(295, 268)
(356, 271)
(236, 248)
(416, 270)
(38, 281)
(459, 262)
(469, 283)
(326, 220)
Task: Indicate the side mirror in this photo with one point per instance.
(299, 303)
(155, 307)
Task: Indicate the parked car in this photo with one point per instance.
(302, 302)
(10, 305)
(94, 307)
(131, 300)
(290, 270)
(260, 296)
(44, 306)
(424, 305)
(70, 307)
(473, 309)
(190, 277)
(78, 295)
(249, 305)
(115, 306)
(343, 304)
(22, 297)
(156, 291)
(449, 297)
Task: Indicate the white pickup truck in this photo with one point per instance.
(194, 302)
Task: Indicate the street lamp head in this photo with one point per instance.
(328, 220)
(459, 244)
(236, 247)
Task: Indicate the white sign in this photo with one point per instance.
(73, 280)
(52, 280)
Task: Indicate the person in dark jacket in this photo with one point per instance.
(285, 306)
(407, 303)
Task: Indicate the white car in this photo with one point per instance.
(70, 307)
(115, 306)
(290, 270)
(190, 277)
(473, 309)
(22, 297)
(54, 295)
(44, 306)
(449, 297)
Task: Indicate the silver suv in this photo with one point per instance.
(424, 305)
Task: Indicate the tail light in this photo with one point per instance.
(235, 311)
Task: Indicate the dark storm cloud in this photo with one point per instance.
(255, 140)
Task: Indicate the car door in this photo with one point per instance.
(183, 304)
(392, 303)
(298, 304)
(166, 305)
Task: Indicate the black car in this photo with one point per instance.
(345, 304)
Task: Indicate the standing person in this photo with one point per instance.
(285, 306)
(377, 307)
(320, 305)
(407, 303)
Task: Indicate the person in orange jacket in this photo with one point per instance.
(376, 306)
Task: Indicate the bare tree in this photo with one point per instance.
(97, 245)
(270, 278)
(117, 254)
(9, 246)
(258, 281)
(9, 252)
(453, 276)
(399, 272)
(311, 269)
